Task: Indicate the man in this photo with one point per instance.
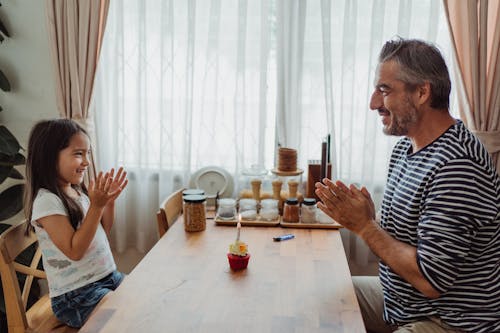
(439, 234)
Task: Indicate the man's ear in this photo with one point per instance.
(424, 93)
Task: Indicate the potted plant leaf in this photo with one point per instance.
(11, 199)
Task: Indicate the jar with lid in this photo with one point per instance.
(269, 209)
(255, 172)
(308, 211)
(193, 191)
(248, 209)
(194, 212)
(291, 210)
(226, 209)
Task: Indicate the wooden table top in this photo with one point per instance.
(184, 284)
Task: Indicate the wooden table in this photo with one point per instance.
(184, 284)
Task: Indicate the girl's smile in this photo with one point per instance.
(74, 160)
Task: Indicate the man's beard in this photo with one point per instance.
(400, 124)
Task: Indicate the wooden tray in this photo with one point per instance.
(250, 223)
(334, 225)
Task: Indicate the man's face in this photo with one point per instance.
(393, 102)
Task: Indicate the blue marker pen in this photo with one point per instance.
(282, 238)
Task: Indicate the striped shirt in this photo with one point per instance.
(445, 201)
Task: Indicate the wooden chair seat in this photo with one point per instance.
(39, 317)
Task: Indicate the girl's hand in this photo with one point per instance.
(106, 188)
(120, 181)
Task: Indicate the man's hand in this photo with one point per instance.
(351, 207)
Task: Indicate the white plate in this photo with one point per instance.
(212, 179)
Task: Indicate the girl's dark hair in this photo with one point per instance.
(47, 139)
(420, 62)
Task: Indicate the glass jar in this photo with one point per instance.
(255, 172)
(321, 217)
(226, 209)
(308, 211)
(291, 210)
(269, 209)
(248, 209)
(194, 212)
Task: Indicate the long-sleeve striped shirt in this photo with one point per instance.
(445, 201)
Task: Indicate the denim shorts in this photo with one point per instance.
(74, 307)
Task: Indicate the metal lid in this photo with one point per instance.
(292, 201)
(309, 201)
(227, 202)
(195, 198)
(192, 191)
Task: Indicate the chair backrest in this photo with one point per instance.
(169, 211)
(39, 318)
(12, 243)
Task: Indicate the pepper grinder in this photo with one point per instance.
(292, 189)
(277, 194)
(256, 189)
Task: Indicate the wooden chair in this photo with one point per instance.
(169, 211)
(39, 317)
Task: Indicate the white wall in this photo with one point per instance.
(25, 60)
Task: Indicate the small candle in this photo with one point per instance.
(238, 226)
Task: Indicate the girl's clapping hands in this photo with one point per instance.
(107, 187)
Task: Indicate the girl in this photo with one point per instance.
(70, 222)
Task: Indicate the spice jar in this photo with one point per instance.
(226, 209)
(308, 211)
(269, 209)
(248, 209)
(194, 212)
(291, 210)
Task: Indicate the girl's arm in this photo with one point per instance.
(74, 243)
(108, 217)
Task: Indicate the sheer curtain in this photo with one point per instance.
(182, 85)
(186, 84)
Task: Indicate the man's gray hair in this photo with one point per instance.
(420, 62)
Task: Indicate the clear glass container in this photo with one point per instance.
(321, 217)
(291, 210)
(308, 211)
(269, 209)
(248, 209)
(226, 209)
(194, 212)
(255, 172)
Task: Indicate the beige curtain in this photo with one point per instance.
(475, 33)
(76, 30)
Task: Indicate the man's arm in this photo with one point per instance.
(354, 209)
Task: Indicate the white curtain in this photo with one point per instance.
(187, 84)
(182, 85)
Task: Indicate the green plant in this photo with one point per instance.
(11, 200)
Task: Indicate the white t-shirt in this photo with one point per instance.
(64, 274)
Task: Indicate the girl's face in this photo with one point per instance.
(73, 160)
